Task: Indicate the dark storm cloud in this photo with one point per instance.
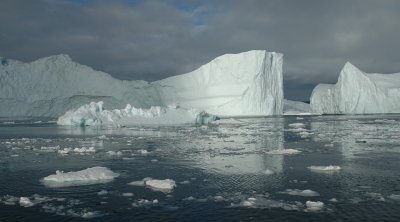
(154, 39)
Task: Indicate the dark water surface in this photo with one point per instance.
(222, 171)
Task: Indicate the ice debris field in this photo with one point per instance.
(266, 164)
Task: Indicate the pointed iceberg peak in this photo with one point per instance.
(350, 66)
(60, 58)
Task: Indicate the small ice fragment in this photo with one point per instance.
(127, 194)
(137, 183)
(284, 152)
(185, 182)
(395, 197)
(296, 125)
(329, 168)
(314, 205)
(166, 185)
(296, 192)
(268, 172)
(102, 192)
(25, 202)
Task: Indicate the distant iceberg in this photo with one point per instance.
(94, 114)
(248, 83)
(357, 92)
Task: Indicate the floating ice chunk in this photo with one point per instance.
(304, 193)
(65, 151)
(314, 205)
(268, 172)
(166, 185)
(114, 153)
(87, 176)
(102, 192)
(9, 200)
(261, 202)
(297, 125)
(85, 150)
(144, 202)
(191, 198)
(25, 202)
(91, 214)
(333, 200)
(143, 152)
(284, 152)
(329, 168)
(127, 194)
(395, 197)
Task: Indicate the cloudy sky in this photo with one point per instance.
(150, 40)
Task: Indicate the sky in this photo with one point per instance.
(154, 39)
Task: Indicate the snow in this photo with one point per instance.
(296, 192)
(357, 92)
(87, 176)
(248, 83)
(329, 168)
(94, 114)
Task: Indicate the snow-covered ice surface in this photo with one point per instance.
(248, 83)
(286, 168)
(357, 92)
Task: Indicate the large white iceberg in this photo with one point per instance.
(357, 92)
(248, 83)
(94, 114)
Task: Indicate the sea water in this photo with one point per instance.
(307, 168)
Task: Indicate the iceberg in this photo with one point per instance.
(295, 108)
(94, 114)
(248, 83)
(357, 92)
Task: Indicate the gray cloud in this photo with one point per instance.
(154, 39)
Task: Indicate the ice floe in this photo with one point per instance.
(329, 168)
(314, 205)
(284, 152)
(296, 192)
(87, 176)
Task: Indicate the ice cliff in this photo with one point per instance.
(248, 83)
(357, 92)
